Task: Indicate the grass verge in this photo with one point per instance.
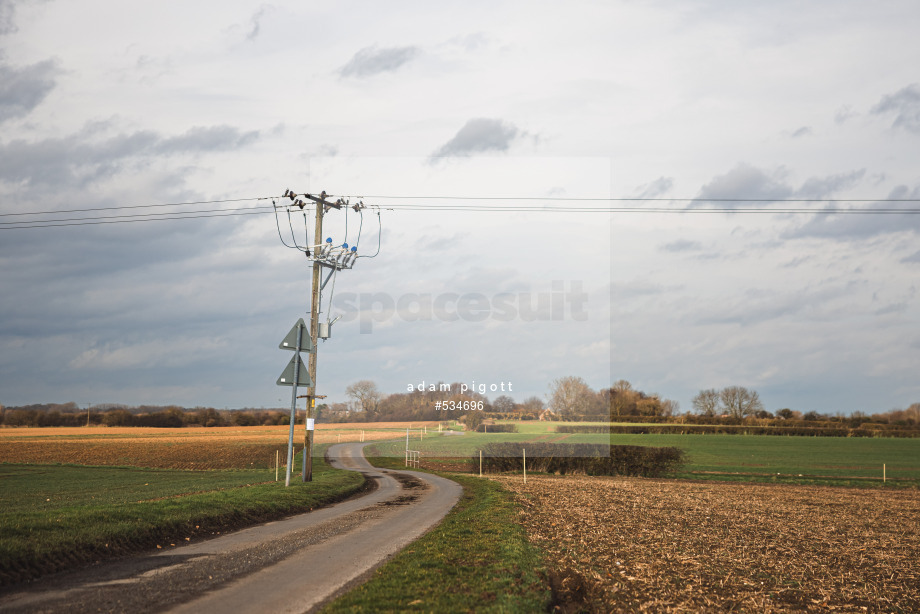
(478, 559)
(57, 516)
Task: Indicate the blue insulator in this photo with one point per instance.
(329, 240)
(345, 245)
(354, 249)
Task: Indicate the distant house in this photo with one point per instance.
(547, 414)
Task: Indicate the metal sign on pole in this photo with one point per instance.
(290, 340)
(295, 374)
(295, 370)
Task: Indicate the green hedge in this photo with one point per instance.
(724, 429)
(580, 458)
(594, 428)
(497, 428)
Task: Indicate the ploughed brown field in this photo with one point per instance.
(633, 544)
(179, 448)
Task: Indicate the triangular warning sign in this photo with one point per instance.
(303, 376)
(290, 341)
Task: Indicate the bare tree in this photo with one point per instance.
(570, 396)
(706, 402)
(503, 404)
(622, 398)
(739, 402)
(365, 395)
(533, 404)
(669, 407)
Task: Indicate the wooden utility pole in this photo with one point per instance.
(321, 205)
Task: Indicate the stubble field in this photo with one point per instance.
(632, 544)
(251, 447)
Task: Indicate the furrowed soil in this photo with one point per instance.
(180, 448)
(633, 544)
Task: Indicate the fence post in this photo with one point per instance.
(525, 464)
(480, 463)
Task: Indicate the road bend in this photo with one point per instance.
(291, 565)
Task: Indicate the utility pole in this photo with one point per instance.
(336, 258)
(321, 205)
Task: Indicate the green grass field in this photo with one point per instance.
(52, 516)
(830, 460)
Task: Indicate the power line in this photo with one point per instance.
(551, 209)
(94, 221)
(640, 199)
(501, 208)
(194, 202)
(148, 216)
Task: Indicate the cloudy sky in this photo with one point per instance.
(444, 118)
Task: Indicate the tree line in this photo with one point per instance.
(568, 398)
(168, 416)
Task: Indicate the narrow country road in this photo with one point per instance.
(290, 565)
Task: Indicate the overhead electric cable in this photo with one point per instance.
(92, 221)
(379, 235)
(642, 199)
(776, 208)
(149, 216)
(196, 202)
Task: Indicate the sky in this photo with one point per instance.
(443, 118)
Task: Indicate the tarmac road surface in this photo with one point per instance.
(290, 565)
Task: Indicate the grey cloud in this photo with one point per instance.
(819, 187)
(861, 226)
(327, 150)
(905, 105)
(82, 158)
(682, 245)
(639, 289)
(656, 188)
(22, 89)
(795, 262)
(844, 114)
(441, 243)
(480, 135)
(372, 61)
(803, 131)
(758, 306)
(915, 257)
(256, 22)
(7, 17)
(748, 182)
(213, 138)
(471, 42)
(893, 308)
(751, 183)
